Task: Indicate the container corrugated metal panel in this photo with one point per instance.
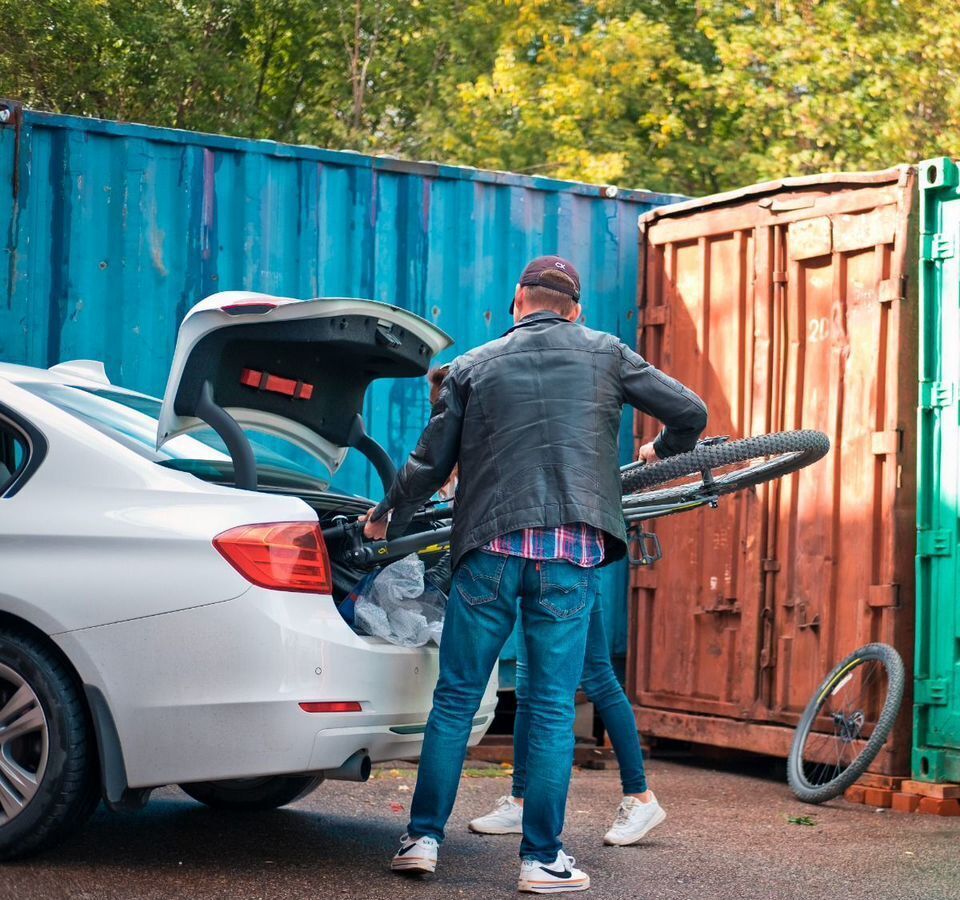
(936, 752)
(785, 307)
(113, 231)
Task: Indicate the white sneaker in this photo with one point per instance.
(555, 878)
(506, 818)
(634, 820)
(414, 856)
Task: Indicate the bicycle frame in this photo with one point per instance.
(436, 539)
(438, 517)
(643, 513)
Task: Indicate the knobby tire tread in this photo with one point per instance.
(891, 707)
(807, 447)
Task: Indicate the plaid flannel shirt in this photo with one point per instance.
(578, 543)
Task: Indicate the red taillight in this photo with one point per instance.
(286, 556)
(332, 706)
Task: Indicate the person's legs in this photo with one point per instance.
(639, 810)
(602, 687)
(521, 721)
(556, 602)
(480, 615)
(506, 817)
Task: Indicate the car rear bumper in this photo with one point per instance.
(213, 692)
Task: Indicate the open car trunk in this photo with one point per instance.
(296, 369)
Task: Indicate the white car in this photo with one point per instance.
(159, 625)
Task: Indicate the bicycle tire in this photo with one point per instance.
(796, 777)
(696, 494)
(793, 450)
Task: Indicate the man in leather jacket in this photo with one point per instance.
(532, 420)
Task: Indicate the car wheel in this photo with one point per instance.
(252, 794)
(48, 765)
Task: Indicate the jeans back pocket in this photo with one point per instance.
(478, 576)
(565, 588)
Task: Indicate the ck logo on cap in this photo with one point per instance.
(560, 265)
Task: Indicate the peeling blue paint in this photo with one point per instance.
(118, 229)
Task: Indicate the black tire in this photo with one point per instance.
(776, 455)
(819, 792)
(69, 783)
(252, 794)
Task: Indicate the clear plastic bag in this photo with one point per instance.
(398, 607)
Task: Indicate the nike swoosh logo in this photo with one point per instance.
(563, 873)
(403, 850)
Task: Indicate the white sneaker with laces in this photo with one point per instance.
(415, 855)
(634, 820)
(506, 818)
(553, 878)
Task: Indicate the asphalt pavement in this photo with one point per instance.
(729, 835)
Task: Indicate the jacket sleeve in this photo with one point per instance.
(652, 392)
(429, 466)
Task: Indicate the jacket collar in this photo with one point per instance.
(541, 315)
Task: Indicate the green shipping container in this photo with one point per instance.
(936, 741)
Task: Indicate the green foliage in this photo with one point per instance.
(702, 96)
(684, 95)
(808, 821)
(844, 84)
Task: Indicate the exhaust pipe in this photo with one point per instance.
(356, 768)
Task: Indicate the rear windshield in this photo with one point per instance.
(131, 420)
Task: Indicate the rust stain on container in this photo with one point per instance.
(785, 306)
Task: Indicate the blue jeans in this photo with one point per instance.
(556, 599)
(601, 686)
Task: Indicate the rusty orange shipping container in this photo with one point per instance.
(785, 305)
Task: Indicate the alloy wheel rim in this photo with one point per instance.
(24, 744)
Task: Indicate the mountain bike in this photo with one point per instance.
(715, 467)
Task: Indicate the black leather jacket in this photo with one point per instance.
(532, 418)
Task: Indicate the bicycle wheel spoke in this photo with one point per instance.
(826, 755)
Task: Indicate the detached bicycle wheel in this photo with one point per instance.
(721, 468)
(846, 723)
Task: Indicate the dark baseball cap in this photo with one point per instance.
(542, 271)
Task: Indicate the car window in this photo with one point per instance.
(131, 419)
(13, 454)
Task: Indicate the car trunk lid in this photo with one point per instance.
(296, 369)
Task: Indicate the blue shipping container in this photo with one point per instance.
(112, 231)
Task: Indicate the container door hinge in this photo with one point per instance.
(654, 315)
(893, 289)
(883, 443)
(938, 246)
(884, 595)
(930, 692)
(934, 543)
(934, 394)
